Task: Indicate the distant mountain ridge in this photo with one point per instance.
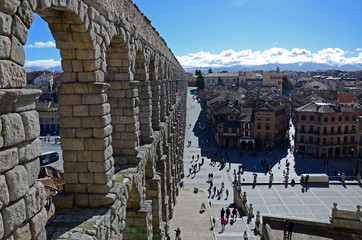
(298, 67)
(41, 68)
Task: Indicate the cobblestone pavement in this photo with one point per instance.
(313, 202)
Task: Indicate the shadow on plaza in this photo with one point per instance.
(253, 158)
(249, 158)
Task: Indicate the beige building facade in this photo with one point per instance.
(273, 78)
(327, 131)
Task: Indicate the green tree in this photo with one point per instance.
(210, 70)
(199, 80)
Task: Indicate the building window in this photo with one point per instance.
(332, 130)
(259, 116)
(227, 80)
(338, 140)
(303, 117)
(311, 118)
(208, 80)
(347, 118)
(324, 141)
(319, 118)
(311, 129)
(346, 129)
(326, 119)
(302, 139)
(325, 130)
(353, 130)
(311, 139)
(259, 126)
(246, 133)
(354, 118)
(339, 119)
(332, 119)
(339, 129)
(345, 140)
(267, 126)
(352, 139)
(331, 141)
(268, 117)
(302, 128)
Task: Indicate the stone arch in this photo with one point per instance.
(156, 90)
(162, 78)
(144, 94)
(84, 136)
(87, 33)
(138, 212)
(153, 193)
(85, 127)
(123, 99)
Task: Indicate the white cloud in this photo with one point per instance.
(49, 63)
(358, 49)
(331, 56)
(48, 44)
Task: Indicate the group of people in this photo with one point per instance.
(225, 215)
(215, 191)
(194, 168)
(288, 228)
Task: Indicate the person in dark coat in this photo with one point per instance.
(222, 213)
(285, 227)
(227, 214)
(290, 229)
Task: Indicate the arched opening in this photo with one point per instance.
(144, 96)
(123, 101)
(137, 215)
(156, 90)
(84, 130)
(153, 193)
(163, 94)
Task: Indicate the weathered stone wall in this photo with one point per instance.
(121, 126)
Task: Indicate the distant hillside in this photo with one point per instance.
(51, 69)
(299, 67)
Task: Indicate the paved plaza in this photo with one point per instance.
(314, 202)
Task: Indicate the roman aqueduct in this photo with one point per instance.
(122, 123)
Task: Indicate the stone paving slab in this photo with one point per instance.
(192, 223)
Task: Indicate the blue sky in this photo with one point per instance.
(249, 32)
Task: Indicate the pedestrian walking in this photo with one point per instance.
(222, 213)
(209, 192)
(285, 227)
(178, 233)
(213, 222)
(290, 229)
(306, 180)
(227, 193)
(235, 214)
(223, 222)
(227, 213)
